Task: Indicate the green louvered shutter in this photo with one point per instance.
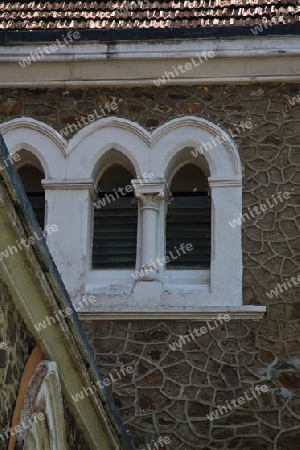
(188, 221)
(115, 222)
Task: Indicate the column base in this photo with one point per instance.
(147, 273)
(145, 291)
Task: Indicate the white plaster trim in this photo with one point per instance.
(258, 46)
(239, 60)
(225, 183)
(192, 281)
(40, 139)
(150, 187)
(119, 130)
(206, 313)
(114, 123)
(152, 139)
(68, 184)
(36, 126)
(192, 122)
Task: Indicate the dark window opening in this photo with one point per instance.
(189, 219)
(31, 178)
(115, 221)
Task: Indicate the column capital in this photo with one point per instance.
(150, 201)
(149, 192)
(70, 184)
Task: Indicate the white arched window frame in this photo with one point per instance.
(172, 147)
(43, 400)
(71, 175)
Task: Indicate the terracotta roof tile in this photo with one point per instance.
(128, 14)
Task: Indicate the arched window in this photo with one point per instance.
(115, 221)
(31, 178)
(189, 219)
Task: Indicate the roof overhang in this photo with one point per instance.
(242, 59)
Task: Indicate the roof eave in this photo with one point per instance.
(149, 34)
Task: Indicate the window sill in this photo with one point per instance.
(149, 300)
(173, 282)
(109, 282)
(186, 282)
(118, 297)
(206, 313)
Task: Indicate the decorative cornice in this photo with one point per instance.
(216, 183)
(237, 60)
(68, 184)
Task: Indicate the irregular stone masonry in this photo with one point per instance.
(19, 344)
(13, 357)
(170, 393)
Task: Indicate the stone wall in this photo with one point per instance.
(170, 392)
(20, 344)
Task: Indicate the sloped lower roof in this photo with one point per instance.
(142, 14)
(45, 294)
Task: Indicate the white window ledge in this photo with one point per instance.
(206, 313)
(151, 300)
(186, 282)
(174, 281)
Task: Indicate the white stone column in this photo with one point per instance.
(226, 261)
(150, 195)
(69, 207)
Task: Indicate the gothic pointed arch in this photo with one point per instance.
(42, 417)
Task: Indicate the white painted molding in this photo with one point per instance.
(68, 184)
(152, 187)
(38, 138)
(37, 126)
(109, 122)
(239, 60)
(128, 137)
(136, 50)
(206, 313)
(113, 132)
(225, 183)
(186, 123)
